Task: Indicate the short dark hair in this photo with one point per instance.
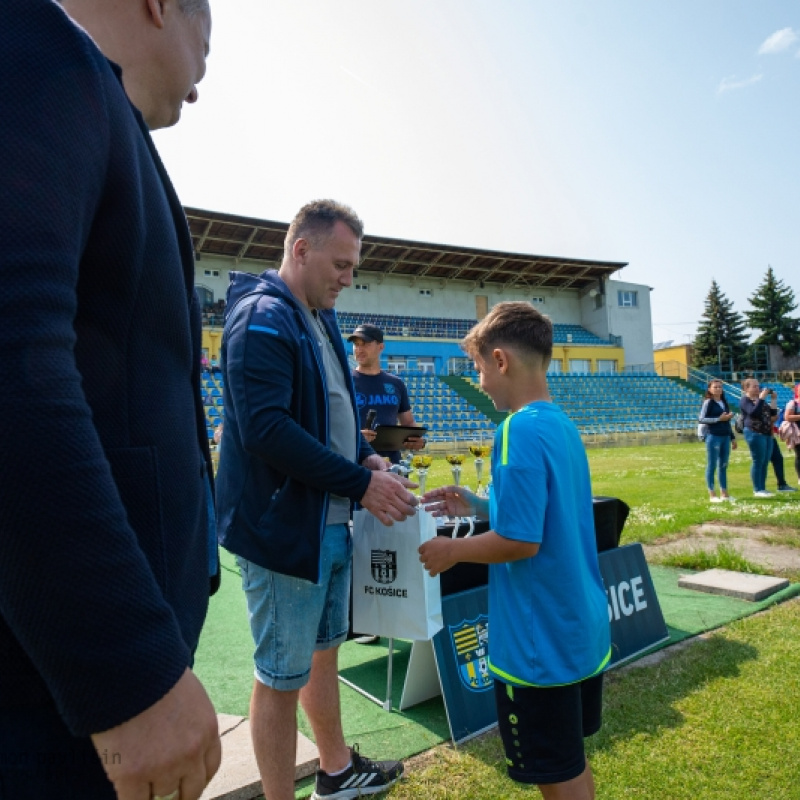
(514, 324)
(315, 221)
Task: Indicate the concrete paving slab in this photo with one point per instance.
(727, 582)
(237, 778)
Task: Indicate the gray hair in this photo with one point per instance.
(193, 7)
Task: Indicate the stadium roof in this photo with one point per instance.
(260, 241)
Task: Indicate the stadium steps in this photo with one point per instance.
(686, 385)
(474, 396)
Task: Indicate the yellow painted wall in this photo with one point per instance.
(212, 342)
(680, 353)
(566, 352)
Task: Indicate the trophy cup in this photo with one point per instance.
(421, 464)
(456, 460)
(480, 451)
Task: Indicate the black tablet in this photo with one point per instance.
(391, 437)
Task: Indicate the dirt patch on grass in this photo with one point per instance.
(775, 549)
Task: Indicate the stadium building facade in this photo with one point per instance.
(427, 296)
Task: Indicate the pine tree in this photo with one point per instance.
(720, 326)
(772, 303)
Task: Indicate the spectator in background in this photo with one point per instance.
(776, 457)
(792, 414)
(104, 552)
(716, 416)
(218, 434)
(380, 391)
(758, 418)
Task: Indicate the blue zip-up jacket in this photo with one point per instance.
(276, 467)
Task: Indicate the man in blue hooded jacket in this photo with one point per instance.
(292, 463)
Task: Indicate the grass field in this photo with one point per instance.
(715, 721)
(665, 488)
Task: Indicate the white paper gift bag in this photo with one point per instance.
(393, 595)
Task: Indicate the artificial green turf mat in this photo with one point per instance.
(224, 664)
(224, 660)
(688, 612)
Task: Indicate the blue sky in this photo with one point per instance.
(661, 134)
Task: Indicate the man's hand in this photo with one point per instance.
(450, 501)
(438, 554)
(172, 746)
(369, 434)
(375, 463)
(388, 498)
(414, 443)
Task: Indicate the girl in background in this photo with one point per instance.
(792, 414)
(716, 414)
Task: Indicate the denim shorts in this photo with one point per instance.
(291, 618)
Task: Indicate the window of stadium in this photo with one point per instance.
(425, 292)
(362, 287)
(627, 299)
(579, 366)
(537, 301)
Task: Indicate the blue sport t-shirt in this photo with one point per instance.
(548, 615)
(387, 395)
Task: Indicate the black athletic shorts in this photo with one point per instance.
(543, 728)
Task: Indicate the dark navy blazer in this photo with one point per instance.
(103, 519)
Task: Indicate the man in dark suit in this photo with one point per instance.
(106, 556)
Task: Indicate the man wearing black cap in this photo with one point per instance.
(379, 391)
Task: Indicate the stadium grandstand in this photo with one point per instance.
(426, 297)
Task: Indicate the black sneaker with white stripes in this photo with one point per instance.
(363, 777)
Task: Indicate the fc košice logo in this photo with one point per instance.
(384, 566)
(471, 644)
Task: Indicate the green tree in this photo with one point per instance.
(773, 303)
(720, 327)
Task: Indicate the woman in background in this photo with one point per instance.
(716, 415)
(758, 431)
(792, 414)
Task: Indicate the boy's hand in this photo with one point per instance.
(438, 554)
(449, 501)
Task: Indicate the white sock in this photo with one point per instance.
(334, 774)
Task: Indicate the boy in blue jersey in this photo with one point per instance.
(548, 613)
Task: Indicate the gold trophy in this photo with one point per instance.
(480, 451)
(422, 464)
(456, 460)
